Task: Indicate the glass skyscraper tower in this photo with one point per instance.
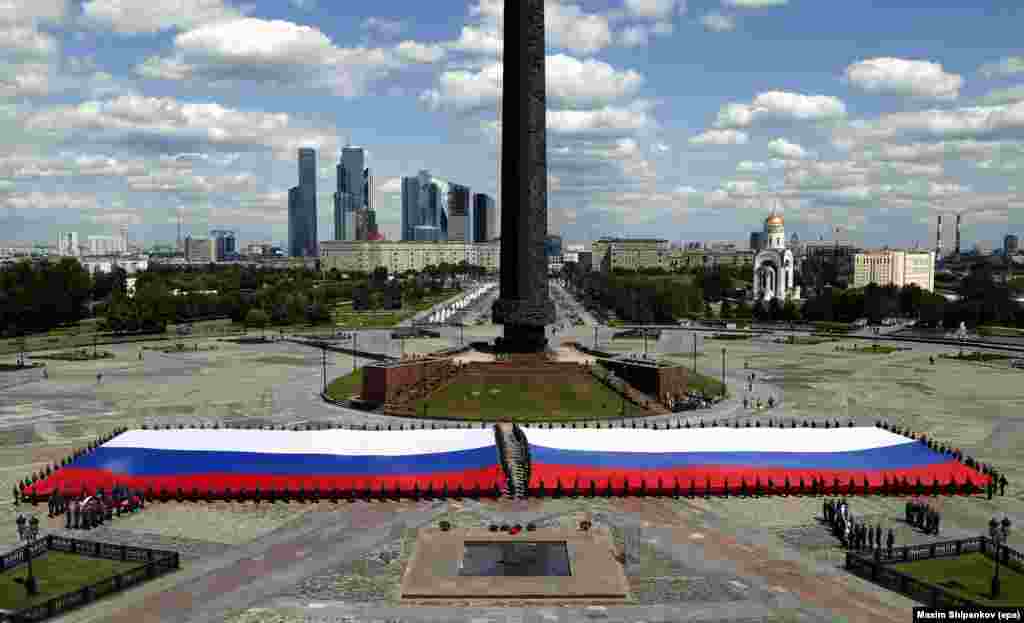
(302, 214)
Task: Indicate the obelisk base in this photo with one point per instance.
(525, 325)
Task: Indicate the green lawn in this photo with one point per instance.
(983, 357)
(1000, 332)
(542, 400)
(874, 349)
(803, 340)
(344, 387)
(969, 576)
(729, 337)
(697, 382)
(85, 354)
(344, 316)
(57, 573)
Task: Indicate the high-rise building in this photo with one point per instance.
(225, 244)
(294, 224)
(354, 217)
(552, 246)
(304, 241)
(485, 218)
(898, 268)
(200, 250)
(460, 214)
(1011, 244)
(67, 244)
(424, 204)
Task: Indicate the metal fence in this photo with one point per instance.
(877, 568)
(151, 564)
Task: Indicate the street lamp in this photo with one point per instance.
(323, 350)
(355, 345)
(723, 373)
(695, 352)
(645, 342)
(28, 531)
(998, 532)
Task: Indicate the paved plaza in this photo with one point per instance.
(712, 559)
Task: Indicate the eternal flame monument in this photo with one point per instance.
(523, 306)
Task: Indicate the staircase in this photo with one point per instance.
(514, 460)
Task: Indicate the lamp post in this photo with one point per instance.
(28, 531)
(723, 373)
(355, 344)
(998, 532)
(595, 337)
(695, 352)
(645, 342)
(323, 350)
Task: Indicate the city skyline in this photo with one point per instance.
(680, 123)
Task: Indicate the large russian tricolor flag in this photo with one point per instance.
(712, 457)
(213, 460)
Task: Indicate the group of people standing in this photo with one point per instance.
(85, 512)
(923, 517)
(855, 534)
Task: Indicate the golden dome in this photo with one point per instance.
(774, 219)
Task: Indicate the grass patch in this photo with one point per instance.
(976, 356)
(540, 400)
(13, 367)
(803, 340)
(84, 354)
(282, 360)
(57, 573)
(697, 382)
(1000, 332)
(874, 349)
(969, 576)
(184, 348)
(344, 387)
(729, 337)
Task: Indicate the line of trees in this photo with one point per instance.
(39, 296)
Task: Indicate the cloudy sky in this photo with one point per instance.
(684, 120)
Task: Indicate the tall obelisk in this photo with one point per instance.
(523, 305)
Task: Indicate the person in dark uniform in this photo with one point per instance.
(878, 536)
(889, 540)
(1002, 484)
(938, 518)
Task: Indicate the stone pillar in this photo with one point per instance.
(523, 305)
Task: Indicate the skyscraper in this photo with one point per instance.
(305, 240)
(485, 218)
(460, 213)
(425, 207)
(294, 224)
(354, 217)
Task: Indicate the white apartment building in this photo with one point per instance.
(107, 245)
(898, 268)
(630, 253)
(131, 265)
(67, 244)
(399, 256)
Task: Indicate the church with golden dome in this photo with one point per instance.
(774, 264)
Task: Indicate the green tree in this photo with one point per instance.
(257, 319)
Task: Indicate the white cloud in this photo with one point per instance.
(754, 4)
(33, 11)
(781, 105)
(717, 22)
(166, 124)
(570, 83)
(391, 186)
(24, 166)
(661, 148)
(303, 5)
(899, 76)
(782, 148)
(116, 218)
(664, 28)
(998, 97)
(653, 9)
(187, 184)
(609, 121)
(685, 190)
(567, 27)
(958, 123)
(279, 54)
(151, 16)
(36, 200)
(1009, 66)
(415, 52)
(24, 43)
(720, 137)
